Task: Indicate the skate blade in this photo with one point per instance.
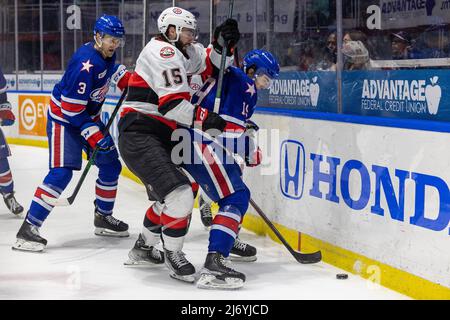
(187, 278)
(136, 263)
(23, 245)
(236, 258)
(210, 282)
(109, 233)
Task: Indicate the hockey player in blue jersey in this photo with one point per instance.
(219, 175)
(74, 125)
(6, 181)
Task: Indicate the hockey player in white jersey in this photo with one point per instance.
(158, 103)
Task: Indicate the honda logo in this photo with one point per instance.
(292, 173)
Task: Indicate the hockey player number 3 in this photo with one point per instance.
(172, 79)
(82, 88)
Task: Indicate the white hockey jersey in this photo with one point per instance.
(159, 86)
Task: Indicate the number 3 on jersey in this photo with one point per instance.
(81, 88)
(173, 78)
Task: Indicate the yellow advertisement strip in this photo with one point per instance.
(376, 272)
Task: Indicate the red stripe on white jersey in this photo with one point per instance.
(137, 81)
(209, 66)
(170, 123)
(174, 96)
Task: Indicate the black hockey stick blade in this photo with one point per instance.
(307, 258)
(304, 258)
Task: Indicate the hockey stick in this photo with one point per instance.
(304, 258)
(222, 65)
(58, 202)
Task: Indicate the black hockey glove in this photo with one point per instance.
(205, 120)
(227, 32)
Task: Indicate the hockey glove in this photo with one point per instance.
(206, 120)
(7, 118)
(106, 145)
(227, 32)
(250, 125)
(121, 76)
(254, 158)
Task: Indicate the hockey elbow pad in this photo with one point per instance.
(6, 115)
(207, 120)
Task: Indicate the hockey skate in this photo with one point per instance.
(142, 254)
(180, 268)
(216, 275)
(28, 239)
(107, 225)
(242, 252)
(12, 203)
(205, 212)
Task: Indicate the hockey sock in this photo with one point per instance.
(152, 225)
(175, 217)
(6, 181)
(106, 186)
(54, 184)
(105, 196)
(224, 230)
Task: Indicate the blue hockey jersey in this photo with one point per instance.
(3, 87)
(77, 99)
(238, 99)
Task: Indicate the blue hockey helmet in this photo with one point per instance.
(263, 62)
(110, 25)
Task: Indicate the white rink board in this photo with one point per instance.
(414, 249)
(417, 250)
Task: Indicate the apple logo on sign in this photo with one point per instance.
(433, 95)
(314, 91)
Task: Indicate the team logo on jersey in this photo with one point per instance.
(167, 52)
(99, 94)
(103, 74)
(87, 66)
(177, 10)
(195, 86)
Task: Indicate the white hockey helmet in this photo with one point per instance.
(177, 17)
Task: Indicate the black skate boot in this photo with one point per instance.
(180, 268)
(142, 254)
(28, 239)
(242, 252)
(12, 203)
(205, 212)
(107, 225)
(216, 275)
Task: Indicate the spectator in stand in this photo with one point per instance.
(400, 45)
(432, 42)
(328, 62)
(310, 56)
(356, 56)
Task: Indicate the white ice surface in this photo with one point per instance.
(76, 264)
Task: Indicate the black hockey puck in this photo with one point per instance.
(342, 276)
